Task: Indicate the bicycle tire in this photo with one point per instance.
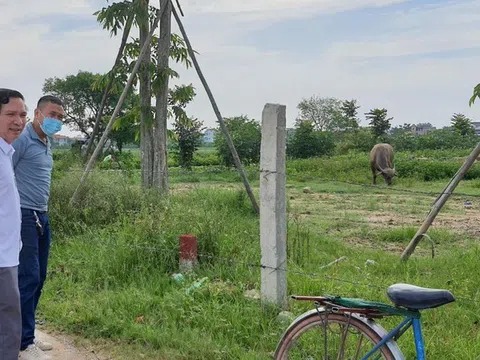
(371, 330)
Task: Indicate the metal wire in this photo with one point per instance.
(273, 268)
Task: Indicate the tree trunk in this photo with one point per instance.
(126, 32)
(160, 164)
(146, 130)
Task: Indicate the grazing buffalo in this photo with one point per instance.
(381, 162)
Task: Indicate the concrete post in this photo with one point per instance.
(273, 220)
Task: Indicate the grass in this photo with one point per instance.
(114, 254)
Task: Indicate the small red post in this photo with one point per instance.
(188, 252)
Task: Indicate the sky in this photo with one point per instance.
(416, 58)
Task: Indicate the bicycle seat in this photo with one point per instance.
(418, 298)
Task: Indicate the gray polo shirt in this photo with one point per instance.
(32, 163)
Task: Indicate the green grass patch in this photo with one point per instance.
(114, 253)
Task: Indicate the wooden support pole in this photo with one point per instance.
(223, 127)
(441, 200)
(111, 77)
(101, 143)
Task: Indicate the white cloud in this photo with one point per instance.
(244, 78)
(19, 10)
(277, 9)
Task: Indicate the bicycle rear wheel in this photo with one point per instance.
(341, 336)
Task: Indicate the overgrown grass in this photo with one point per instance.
(114, 253)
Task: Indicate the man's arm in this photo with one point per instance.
(20, 145)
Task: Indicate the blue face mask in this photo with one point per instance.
(51, 126)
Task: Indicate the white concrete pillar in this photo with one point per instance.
(273, 219)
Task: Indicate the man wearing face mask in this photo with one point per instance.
(33, 163)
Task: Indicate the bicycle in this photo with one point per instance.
(357, 317)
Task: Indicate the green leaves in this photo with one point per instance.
(322, 112)
(307, 142)
(462, 125)
(82, 94)
(476, 93)
(246, 136)
(329, 114)
(188, 133)
(114, 17)
(379, 121)
(178, 53)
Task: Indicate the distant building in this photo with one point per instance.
(209, 136)
(61, 140)
(422, 129)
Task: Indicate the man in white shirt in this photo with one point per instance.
(13, 116)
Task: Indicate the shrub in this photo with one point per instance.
(189, 138)
(360, 140)
(306, 142)
(246, 137)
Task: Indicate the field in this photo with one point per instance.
(114, 253)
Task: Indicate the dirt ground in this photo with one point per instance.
(63, 348)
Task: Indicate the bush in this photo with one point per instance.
(105, 197)
(65, 160)
(206, 159)
(306, 142)
(429, 170)
(125, 160)
(361, 140)
(441, 139)
(189, 138)
(246, 137)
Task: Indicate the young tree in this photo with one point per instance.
(246, 136)
(307, 142)
(378, 121)
(462, 125)
(187, 130)
(178, 98)
(152, 75)
(324, 113)
(349, 111)
(188, 133)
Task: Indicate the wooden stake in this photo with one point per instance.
(101, 143)
(126, 32)
(223, 127)
(441, 200)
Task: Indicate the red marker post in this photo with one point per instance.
(188, 252)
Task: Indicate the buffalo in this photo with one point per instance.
(381, 162)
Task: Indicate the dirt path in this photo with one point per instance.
(63, 349)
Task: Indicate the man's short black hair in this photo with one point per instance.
(7, 94)
(49, 99)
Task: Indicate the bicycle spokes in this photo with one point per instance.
(331, 340)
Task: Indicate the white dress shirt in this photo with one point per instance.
(10, 213)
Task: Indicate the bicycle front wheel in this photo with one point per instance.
(332, 336)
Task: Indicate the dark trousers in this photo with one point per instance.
(10, 317)
(32, 270)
